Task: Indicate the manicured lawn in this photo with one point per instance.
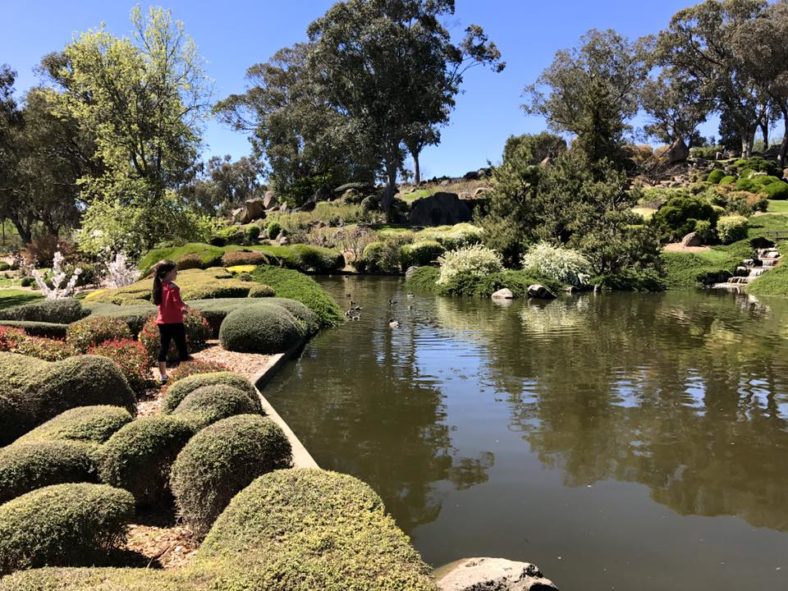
(16, 297)
(778, 206)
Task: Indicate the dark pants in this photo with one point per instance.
(168, 333)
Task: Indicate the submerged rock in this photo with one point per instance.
(503, 294)
(492, 574)
(537, 290)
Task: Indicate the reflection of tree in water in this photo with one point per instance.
(679, 392)
(394, 435)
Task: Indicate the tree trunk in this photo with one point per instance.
(391, 188)
(746, 143)
(765, 131)
(416, 167)
(25, 234)
(784, 146)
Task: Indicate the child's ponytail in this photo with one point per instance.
(160, 271)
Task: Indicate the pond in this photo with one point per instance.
(619, 441)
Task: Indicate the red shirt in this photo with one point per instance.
(171, 306)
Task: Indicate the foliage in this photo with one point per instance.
(222, 460)
(778, 190)
(293, 285)
(138, 457)
(424, 252)
(134, 315)
(242, 257)
(63, 524)
(54, 311)
(563, 265)
(221, 184)
(773, 283)
(260, 328)
(678, 216)
(90, 424)
(731, 228)
(195, 367)
(59, 290)
(381, 257)
(182, 388)
(471, 261)
(94, 330)
(539, 146)
(273, 230)
(484, 286)
(132, 359)
(43, 348)
(210, 256)
(261, 291)
(120, 272)
(197, 332)
(307, 258)
(683, 270)
(25, 467)
(423, 279)
(715, 176)
(208, 404)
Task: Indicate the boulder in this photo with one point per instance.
(363, 188)
(352, 196)
(785, 174)
(537, 290)
(692, 239)
(677, 152)
(253, 209)
(283, 240)
(481, 191)
(269, 199)
(503, 294)
(444, 183)
(492, 574)
(473, 175)
(439, 209)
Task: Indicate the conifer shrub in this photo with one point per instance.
(731, 228)
(208, 404)
(27, 466)
(181, 389)
(94, 330)
(715, 176)
(220, 461)
(778, 190)
(63, 524)
(261, 328)
(91, 424)
(138, 457)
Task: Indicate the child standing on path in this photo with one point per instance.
(167, 296)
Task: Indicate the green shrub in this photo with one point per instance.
(381, 257)
(307, 258)
(471, 261)
(756, 164)
(138, 457)
(131, 358)
(4, 266)
(53, 311)
(182, 388)
(678, 216)
(424, 252)
(195, 367)
(134, 315)
(50, 330)
(705, 152)
(198, 330)
(273, 230)
(715, 176)
(731, 228)
(208, 404)
(562, 265)
(93, 330)
(727, 180)
(243, 257)
(261, 328)
(453, 237)
(189, 261)
(36, 391)
(251, 233)
(26, 281)
(704, 229)
(423, 279)
(778, 190)
(63, 524)
(222, 460)
(92, 424)
(764, 179)
(296, 286)
(28, 466)
(261, 291)
(209, 256)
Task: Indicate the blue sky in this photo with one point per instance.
(232, 35)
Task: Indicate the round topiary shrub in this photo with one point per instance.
(258, 290)
(94, 424)
(301, 312)
(180, 390)
(731, 228)
(678, 216)
(421, 253)
(261, 328)
(94, 330)
(63, 311)
(138, 457)
(131, 358)
(273, 229)
(28, 466)
(194, 367)
(208, 404)
(63, 524)
(190, 261)
(197, 332)
(778, 190)
(222, 460)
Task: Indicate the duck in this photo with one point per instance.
(393, 323)
(392, 302)
(411, 296)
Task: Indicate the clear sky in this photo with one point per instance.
(233, 34)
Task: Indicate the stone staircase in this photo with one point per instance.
(763, 261)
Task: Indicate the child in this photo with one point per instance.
(167, 297)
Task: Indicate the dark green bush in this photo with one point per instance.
(273, 230)
(678, 216)
(28, 466)
(778, 190)
(222, 460)
(381, 257)
(261, 328)
(93, 330)
(728, 180)
(745, 184)
(138, 457)
(208, 404)
(715, 176)
(93, 424)
(4, 266)
(421, 253)
(292, 284)
(757, 164)
(307, 317)
(307, 258)
(50, 330)
(54, 311)
(63, 524)
(26, 281)
(251, 233)
(133, 315)
(182, 388)
(193, 367)
(40, 390)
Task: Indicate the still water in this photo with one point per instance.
(619, 441)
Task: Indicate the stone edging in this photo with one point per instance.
(301, 457)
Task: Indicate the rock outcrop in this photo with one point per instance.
(492, 574)
(439, 209)
(253, 209)
(503, 294)
(539, 291)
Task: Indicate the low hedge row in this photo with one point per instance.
(93, 330)
(62, 524)
(222, 460)
(33, 391)
(261, 328)
(50, 330)
(208, 404)
(132, 359)
(134, 315)
(181, 389)
(63, 311)
(93, 424)
(307, 258)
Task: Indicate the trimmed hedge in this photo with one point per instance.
(307, 258)
(55, 311)
(93, 330)
(133, 315)
(63, 524)
(244, 257)
(50, 330)
(194, 367)
(731, 228)
(222, 460)
(198, 330)
(778, 190)
(209, 256)
(296, 286)
(93, 424)
(181, 389)
(42, 348)
(208, 404)
(138, 457)
(131, 358)
(34, 391)
(261, 291)
(261, 328)
(27, 466)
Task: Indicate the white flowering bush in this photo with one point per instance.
(120, 272)
(60, 287)
(560, 264)
(471, 261)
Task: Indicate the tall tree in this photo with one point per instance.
(222, 184)
(390, 65)
(700, 43)
(591, 92)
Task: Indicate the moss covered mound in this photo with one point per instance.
(208, 404)
(62, 524)
(182, 388)
(93, 424)
(297, 286)
(139, 456)
(222, 460)
(28, 466)
(33, 391)
(261, 328)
